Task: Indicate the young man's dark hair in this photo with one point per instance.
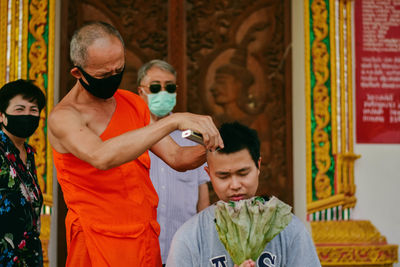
(26, 88)
(237, 137)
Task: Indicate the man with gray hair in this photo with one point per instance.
(181, 194)
(100, 136)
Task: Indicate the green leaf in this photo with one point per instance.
(246, 226)
(11, 182)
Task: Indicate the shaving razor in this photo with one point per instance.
(193, 136)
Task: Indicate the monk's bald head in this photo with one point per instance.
(85, 36)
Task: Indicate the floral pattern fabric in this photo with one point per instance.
(20, 205)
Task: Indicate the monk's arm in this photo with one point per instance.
(180, 158)
(68, 133)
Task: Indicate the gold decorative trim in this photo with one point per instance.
(350, 170)
(346, 232)
(346, 158)
(339, 185)
(41, 57)
(38, 59)
(345, 169)
(343, 84)
(50, 100)
(45, 236)
(24, 59)
(350, 75)
(359, 243)
(3, 43)
(307, 57)
(18, 37)
(332, 38)
(341, 132)
(357, 255)
(14, 40)
(321, 99)
(333, 201)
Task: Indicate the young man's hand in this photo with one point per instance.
(247, 263)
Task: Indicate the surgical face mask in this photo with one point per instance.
(21, 126)
(162, 103)
(101, 88)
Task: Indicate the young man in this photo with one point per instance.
(181, 194)
(234, 172)
(100, 136)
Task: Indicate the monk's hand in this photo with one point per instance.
(201, 124)
(247, 263)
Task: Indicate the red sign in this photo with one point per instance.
(377, 52)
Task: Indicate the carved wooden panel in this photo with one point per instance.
(238, 68)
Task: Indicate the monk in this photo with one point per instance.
(100, 136)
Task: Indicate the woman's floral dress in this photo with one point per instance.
(20, 205)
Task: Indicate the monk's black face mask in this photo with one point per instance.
(101, 88)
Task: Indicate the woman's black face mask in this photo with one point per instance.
(101, 88)
(21, 126)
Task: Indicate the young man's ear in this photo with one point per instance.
(259, 163)
(207, 170)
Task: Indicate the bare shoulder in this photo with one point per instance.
(63, 119)
(63, 113)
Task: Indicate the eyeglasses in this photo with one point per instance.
(155, 88)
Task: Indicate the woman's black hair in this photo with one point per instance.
(26, 89)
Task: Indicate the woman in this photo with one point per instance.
(20, 197)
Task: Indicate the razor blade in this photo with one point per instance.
(193, 136)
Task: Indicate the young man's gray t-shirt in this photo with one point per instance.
(196, 243)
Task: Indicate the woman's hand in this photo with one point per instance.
(247, 263)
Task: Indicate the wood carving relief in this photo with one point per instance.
(236, 65)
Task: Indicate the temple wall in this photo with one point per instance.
(377, 175)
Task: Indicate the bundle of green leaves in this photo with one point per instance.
(246, 226)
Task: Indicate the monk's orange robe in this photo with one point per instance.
(111, 218)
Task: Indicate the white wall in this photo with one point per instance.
(298, 110)
(377, 172)
(377, 177)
